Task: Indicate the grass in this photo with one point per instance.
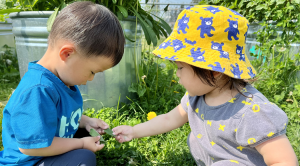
(164, 149)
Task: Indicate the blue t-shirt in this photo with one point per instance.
(42, 107)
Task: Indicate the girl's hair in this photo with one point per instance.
(93, 28)
(207, 77)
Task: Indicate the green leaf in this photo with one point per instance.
(164, 24)
(251, 4)
(279, 2)
(296, 1)
(279, 24)
(51, 19)
(141, 91)
(114, 1)
(94, 133)
(261, 6)
(109, 132)
(166, 8)
(123, 11)
(119, 15)
(129, 38)
(241, 4)
(146, 28)
(9, 4)
(7, 11)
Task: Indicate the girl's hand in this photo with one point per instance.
(123, 133)
(98, 124)
(92, 143)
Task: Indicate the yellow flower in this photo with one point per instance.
(176, 92)
(151, 115)
(174, 81)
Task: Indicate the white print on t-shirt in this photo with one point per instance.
(74, 124)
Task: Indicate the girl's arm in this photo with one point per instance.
(278, 152)
(158, 125)
(162, 123)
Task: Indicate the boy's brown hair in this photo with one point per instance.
(93, 28)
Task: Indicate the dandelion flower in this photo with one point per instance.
(151, 115)
(174, 81)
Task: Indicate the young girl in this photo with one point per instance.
(232, 123)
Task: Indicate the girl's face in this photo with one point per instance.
(190, 81)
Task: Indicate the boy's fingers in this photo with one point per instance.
(97, 138)
(99, 147)
(102, 124)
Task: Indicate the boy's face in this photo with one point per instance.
(77, 70)
(190, 81)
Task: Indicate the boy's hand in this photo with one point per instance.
(123, 133)
(92, 143)
(98, 124)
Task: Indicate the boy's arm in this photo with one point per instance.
(63, 145)
(162, 123)
(58, 146)
(278, 152)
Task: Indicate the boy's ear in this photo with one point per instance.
(66, 51)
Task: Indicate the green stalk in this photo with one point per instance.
(156, 76)
(135, 55)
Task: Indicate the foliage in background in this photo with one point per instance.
(153, 26)
(9, 72)
(279, 21)
(158, 88)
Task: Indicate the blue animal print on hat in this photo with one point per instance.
(210, 37)
(246, 33)
(235, 13)
(173, 58)
(183, 23)
(164, 45)
(217, 67)
(188, 8)
(217, 46)
(239, 50)
(177, 45)
(251, 74)
(206, 27)
(224, 54)
(232, 29)
(197, 55)
(213, 10)
(236, 71)
(190, 42)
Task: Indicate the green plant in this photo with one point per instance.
(152, 28)
(273, 17)
(9, 72)
(164, 149)
(158, 88)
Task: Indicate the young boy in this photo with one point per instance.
(45, 111)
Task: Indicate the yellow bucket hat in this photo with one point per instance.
(210, 37)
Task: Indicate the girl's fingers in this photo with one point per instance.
(117, 130)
